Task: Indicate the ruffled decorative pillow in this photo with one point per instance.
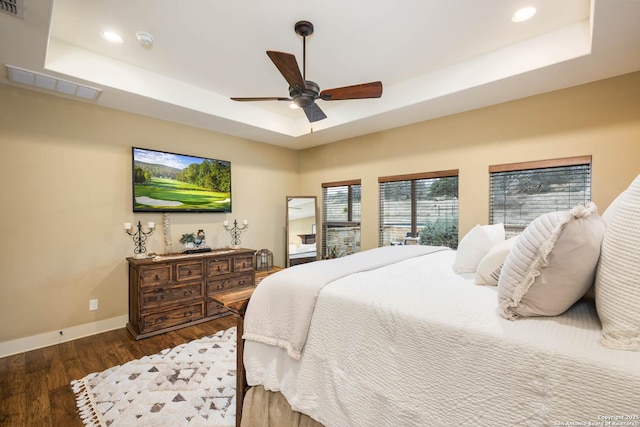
(552, 264)
(475, 245)
(618, 275)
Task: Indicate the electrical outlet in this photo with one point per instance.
(93, 304)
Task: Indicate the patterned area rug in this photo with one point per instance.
(192, 384)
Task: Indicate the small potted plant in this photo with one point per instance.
(188, 240)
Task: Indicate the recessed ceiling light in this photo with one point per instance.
(524, 14)
(112, 37)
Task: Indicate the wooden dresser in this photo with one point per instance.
(180, 290)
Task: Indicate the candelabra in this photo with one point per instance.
(235, 231)
(139, 237)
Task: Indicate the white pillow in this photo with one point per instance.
(552, 264)
(475, 245)
(611, 210)
(618, 275)
(490, 266)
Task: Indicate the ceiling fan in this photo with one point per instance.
(303, 92)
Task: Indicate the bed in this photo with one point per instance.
(398, 336)
(301, 254)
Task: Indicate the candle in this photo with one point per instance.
(245, 222)
(151, 225)
(225, 222)
(127, 226)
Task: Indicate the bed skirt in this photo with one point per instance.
(263, 408)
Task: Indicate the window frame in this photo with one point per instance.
(450, 173)
(350, 221)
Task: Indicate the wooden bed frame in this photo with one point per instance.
(237, 303)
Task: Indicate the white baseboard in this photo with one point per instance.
(33, 342)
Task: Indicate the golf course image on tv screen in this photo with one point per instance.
(170, 182)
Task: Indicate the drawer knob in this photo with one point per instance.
(157, 278)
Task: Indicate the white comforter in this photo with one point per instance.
(280, 309)
(413, 344)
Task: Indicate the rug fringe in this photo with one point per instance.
(87, 412)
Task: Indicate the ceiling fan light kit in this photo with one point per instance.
(303, 93)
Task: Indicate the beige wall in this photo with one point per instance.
(300, 226)
(65, 169)
(601, 119)
(65, 174)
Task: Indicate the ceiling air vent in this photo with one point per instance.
(50, 83)
(13, 7)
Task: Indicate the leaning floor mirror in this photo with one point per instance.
(301, 223)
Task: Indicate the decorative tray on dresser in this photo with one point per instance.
(169, 292)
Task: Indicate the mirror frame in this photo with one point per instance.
(286, 237)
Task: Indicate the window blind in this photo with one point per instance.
(518, 195)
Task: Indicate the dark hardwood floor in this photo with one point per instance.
(35, 386)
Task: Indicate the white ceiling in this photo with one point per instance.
(434, 57)
(301, 207)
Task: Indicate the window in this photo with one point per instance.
(341, 211)
(520, 192)
(419, 208)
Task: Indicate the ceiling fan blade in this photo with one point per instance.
(314, 113)
(263, 98)
(288, 67)
(361, 91)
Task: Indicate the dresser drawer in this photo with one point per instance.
(159, 297)
(224, 285)
(155, 276)
(215, 307)
(166, 319)
(189, 271)
(242, 263)
(218, 267)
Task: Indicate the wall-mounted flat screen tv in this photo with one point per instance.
(170, 182)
